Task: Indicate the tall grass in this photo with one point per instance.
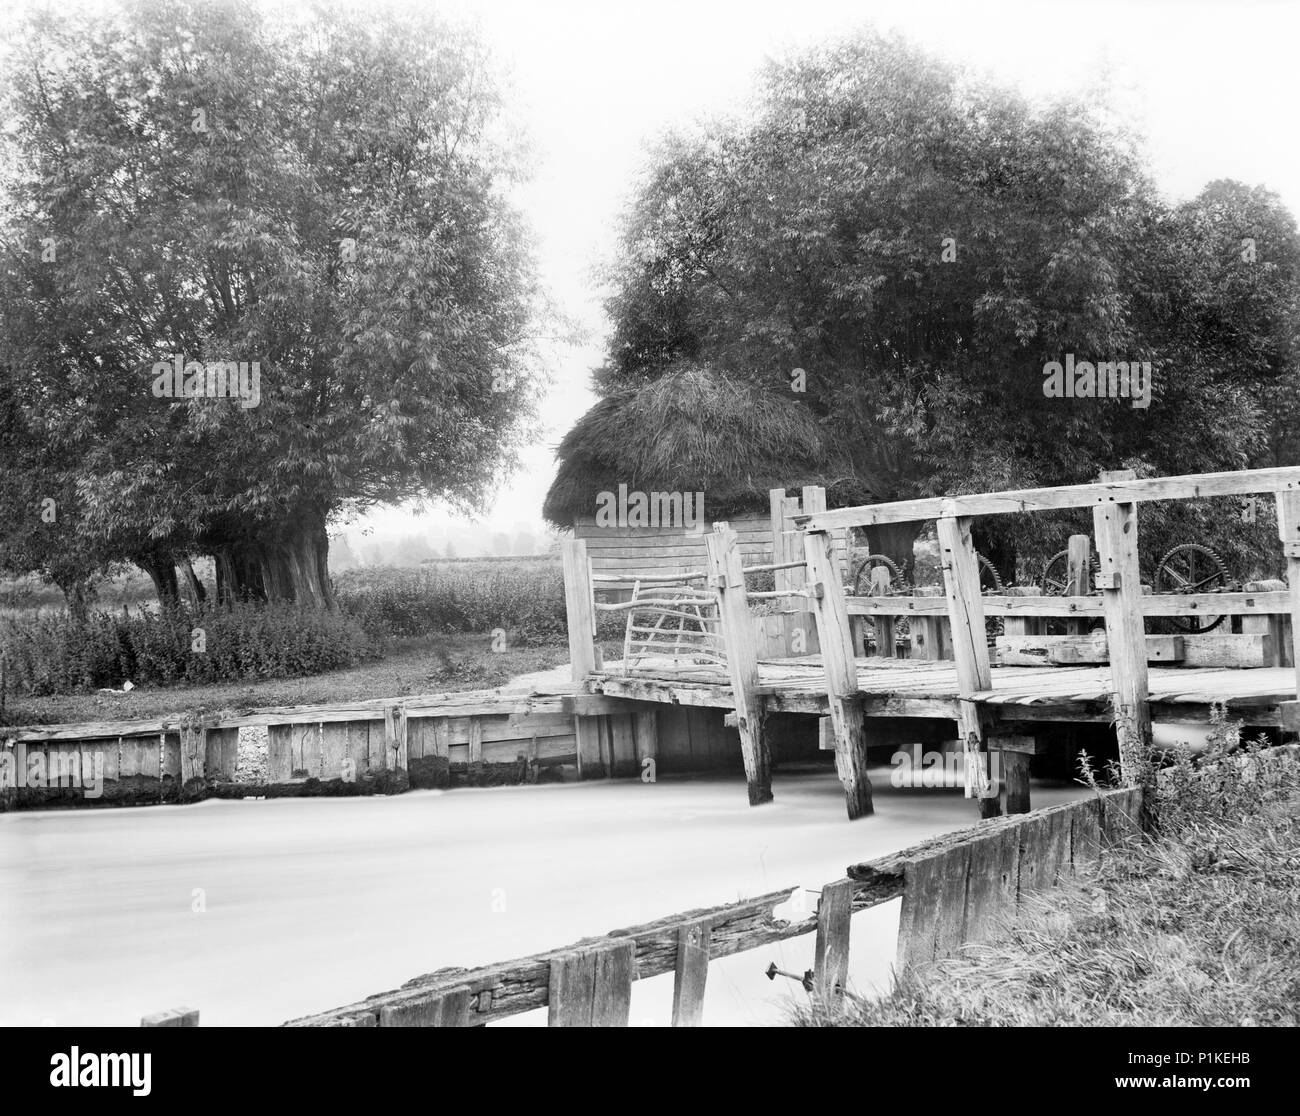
(1194, 927)
(524, 599)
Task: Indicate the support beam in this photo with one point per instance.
(1078, 576)
(831, 953)
(691, 973)
(836, 639)
(1288, 529)
(584, 655)
(727, 577)
(1120, 582)
(961, 581)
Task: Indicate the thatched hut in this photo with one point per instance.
(646, 471)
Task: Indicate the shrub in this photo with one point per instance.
(55, 654)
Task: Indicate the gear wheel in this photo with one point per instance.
(1192, 568)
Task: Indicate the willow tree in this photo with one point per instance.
(323, 198)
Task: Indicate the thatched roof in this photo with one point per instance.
(694, 430)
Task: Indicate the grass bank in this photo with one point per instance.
(1196, 926)
(431, 664)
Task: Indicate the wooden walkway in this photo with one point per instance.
(917, 688)
(693, 639)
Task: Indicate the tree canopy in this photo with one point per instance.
(921, 244)
(324, 197)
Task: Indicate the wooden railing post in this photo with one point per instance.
(726, 575)
(961, 579)
(1078, 575)
(584, 655)
(1120, 582)
(836, 639)
(1288, 529)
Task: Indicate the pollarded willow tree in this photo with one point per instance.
(326, 197)
(921, 245)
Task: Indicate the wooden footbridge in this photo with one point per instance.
(693, 638)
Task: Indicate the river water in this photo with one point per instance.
(256, 912)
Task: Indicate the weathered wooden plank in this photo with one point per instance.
(1044, 849)
(691, 973)
(1015, 773)
(279, 753)
(727, 579)
(831, 952)
(841, 675)
(991, 884)
(1119, 580)
(1110, 490)
(1085, 833)
(334, 750)
(449, 1008)
(933, 915)
(1038, 607)
(612, 994)
(1288, 528)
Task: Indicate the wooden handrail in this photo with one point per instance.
(1192, 486)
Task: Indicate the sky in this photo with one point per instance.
(1211, 85)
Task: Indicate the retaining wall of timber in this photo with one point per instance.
(962, 887)
(473, 738)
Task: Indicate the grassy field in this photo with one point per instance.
(1197, 927)
(431, 664)
(399, 630)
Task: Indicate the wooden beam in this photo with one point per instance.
(836, 639)
(727, 578)
(1119, 579)
(1127, 491)
(1035, 607)
(1078, 576)
(1288, 529)
(831, 956)
(1015, 772)
(961, 580)
(584, 658)
(691, 973)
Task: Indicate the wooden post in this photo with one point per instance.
(1078, 577)
(691, 973)
(395, 746)
(194, 749)
(1288, 528)
(961, 579)
(1016, 752)
(584, 656)
(1120, 582)
(449, 1008)
(175, 1017)
(727, 577)
(831, 957)
(592, 986)
(836, 639)
(776, 504)
(645, 729)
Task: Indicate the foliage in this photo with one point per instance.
(202, 172)
(811, 234)
(59, 654)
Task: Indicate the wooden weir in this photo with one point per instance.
(1121, 676)
(958, 888)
